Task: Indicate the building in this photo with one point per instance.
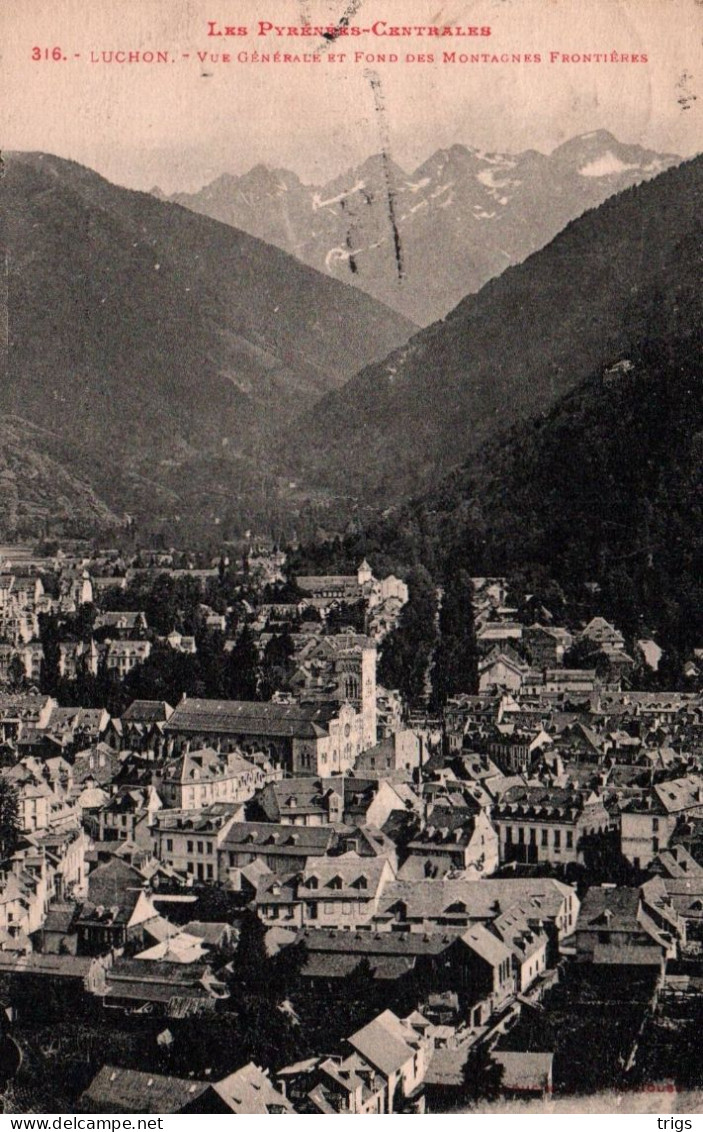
(501, 669)
(341, 892)
(547, 645)
(247, 1092)
(472, 962)
(123, 624)
(123, 656)
(142, 725)
(22, 711)
(282, 849)
(302, 801)
(128, 815)
(400, 1050)
(341, 669)
(77, 658)
(310, 738)
(343, 1085)
(189, 841)
(513, 749)
(527, 941)
(537, 823)
(600, 632)
(614, 928)
(454, 840)
(647, 822)
(118, 1090)
(116, 910)
(197, 778)
(432, 905)
(398, 753)
(559, 681)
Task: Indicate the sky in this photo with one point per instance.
(180, 124)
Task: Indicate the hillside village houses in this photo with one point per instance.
(545, 824)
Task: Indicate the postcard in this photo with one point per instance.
(351, 651)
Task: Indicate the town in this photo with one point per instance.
(242, 871)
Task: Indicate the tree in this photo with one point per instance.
(482, 1074)
(456, 657)
(10, 829)
(241, 674)
(582, 654)
(161, 605)
(49, 636)
(277, 665)
(16, 675)
(286, 965)
(347, 616)
(251, 962)
(407, 650)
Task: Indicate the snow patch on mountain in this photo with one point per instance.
(607, 165)
(417, 185)
(318, 202)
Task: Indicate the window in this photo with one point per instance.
(545, 837)
(190, 846)
(557, 839)
(655, 844)
(329, 909)
(209, 872)
(569, 839)
(655, 825)
(520, 835)
(169, 845)
(208, 846)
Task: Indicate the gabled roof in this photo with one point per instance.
(383, 1043)
(524, 1072)
(147, 711)
(617, 910)
(249, 1091)
(239, 717)
(327, 879)
(114, 1089)
(484, 944)
(482, 899)
(280, 839)
(680, 793)
(114, 885)
(505, 656)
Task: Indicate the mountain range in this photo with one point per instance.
(38, 493)
(596, 505)
(421, 241)
(162, 347)
(510, 352)
(167, 365)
